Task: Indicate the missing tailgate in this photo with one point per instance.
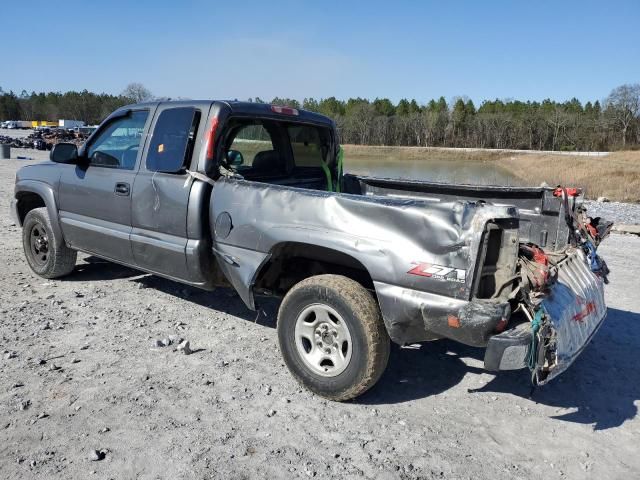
(496, 272)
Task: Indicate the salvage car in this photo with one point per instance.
(253, 196)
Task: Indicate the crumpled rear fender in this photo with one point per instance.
(388, 236)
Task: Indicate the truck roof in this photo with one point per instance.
(245, 108)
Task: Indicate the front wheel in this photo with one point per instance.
(332, 336)
(46, 252)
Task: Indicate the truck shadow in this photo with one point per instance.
(600, 388)
(220, 300)
(93, 269)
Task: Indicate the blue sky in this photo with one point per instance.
(395, 49)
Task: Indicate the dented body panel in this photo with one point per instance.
(576, 309)
(540, 214)
(389, 237)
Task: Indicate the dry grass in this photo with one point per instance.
(421, 153)
(616, 176)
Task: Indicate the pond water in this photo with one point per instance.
(447, 171)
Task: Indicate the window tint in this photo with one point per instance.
(117, 145)
(173, 140)
(308, 145)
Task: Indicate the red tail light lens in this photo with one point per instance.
(570, 191)
(211, 139)
(284, 110)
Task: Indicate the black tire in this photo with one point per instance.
(46, 252)
(369, 340)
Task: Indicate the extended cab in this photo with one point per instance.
(253, 196)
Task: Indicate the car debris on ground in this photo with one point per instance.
(44, 139)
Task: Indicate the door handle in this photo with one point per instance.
(122, 189)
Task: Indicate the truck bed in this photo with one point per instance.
(541, 213)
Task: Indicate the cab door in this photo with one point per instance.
(95, 197)
(161, 193)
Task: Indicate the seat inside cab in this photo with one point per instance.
(279, 153)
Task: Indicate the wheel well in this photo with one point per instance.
(292, 262)
(27, 201)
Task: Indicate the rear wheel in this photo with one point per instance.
(46, 252)
(332, 336)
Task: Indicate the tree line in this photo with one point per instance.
(87, 106)
(548, 125)
(613, 123)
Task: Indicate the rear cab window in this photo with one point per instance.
(251, 141)
(308, 146)
(267, 148)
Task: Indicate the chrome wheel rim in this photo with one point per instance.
(323, 340)
(39, 243)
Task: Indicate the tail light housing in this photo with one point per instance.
(284, 110)
(211, 139)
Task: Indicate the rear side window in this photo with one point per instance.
(309, 145)
(173, 140)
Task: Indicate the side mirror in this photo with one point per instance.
(235, 158)
(64, 153)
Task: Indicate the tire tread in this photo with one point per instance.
(366, 309)
(64, 258)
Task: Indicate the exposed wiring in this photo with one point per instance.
(536, 323)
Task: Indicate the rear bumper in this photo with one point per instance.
(574, 309)
(509, 349)
(413, 316)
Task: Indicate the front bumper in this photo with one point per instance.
(574, 311)
(14, 211)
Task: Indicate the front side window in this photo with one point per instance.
(118, 144)
(173, 140)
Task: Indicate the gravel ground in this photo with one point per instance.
(617, 212)
(16, 133)
(84, 393)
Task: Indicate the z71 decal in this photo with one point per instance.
(439, 272)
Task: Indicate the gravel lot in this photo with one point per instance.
(79, 372)
(16, 133)
(618, 212)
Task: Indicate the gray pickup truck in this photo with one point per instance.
(253, 196)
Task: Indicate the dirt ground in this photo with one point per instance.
(79, 372)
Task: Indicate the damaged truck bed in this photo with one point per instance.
(531, 253)
(254, 196)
